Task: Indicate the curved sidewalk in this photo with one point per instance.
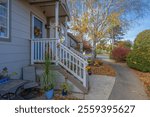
(127, 86)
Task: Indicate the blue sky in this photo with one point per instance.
(133, 31)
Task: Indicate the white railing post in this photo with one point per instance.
(85, 84)
(32, 52)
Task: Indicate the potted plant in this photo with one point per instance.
(88, 68)
(48, 79)
(65, 87)
(89, 61)
(4, 76)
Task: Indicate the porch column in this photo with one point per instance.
(66, 34)
(57, 18)
(56, 28)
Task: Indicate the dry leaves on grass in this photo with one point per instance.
(145, 78)
(103, 70)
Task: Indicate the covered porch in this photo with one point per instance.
(56, 13)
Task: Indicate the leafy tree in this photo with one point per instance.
(96, 19)
(126, 43)
(116, 34)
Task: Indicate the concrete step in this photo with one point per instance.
(73, 79)
(66, 74)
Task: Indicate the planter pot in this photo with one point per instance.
(49, 94)
(90, 73)
(64, 93)
(4, 80)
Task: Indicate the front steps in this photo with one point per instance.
(67, 76)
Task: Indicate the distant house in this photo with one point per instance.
(31, 28)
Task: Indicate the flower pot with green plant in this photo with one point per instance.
(90, 61)
(47, 79)
(5, 76)
(65, 88)
(89, 70)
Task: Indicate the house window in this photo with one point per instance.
(4, 19)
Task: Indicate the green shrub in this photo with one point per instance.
(142, 37)
(98, 51)
(139, 58)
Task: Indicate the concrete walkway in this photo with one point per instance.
(127, 86)
(100, 87)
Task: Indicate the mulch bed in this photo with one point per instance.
(58, 96)
(104, 69)
(145, 78)
(30, 93)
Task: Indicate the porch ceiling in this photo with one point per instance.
(48, 7)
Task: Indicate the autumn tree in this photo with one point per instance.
(116, 34)
(96, 19)
(79, 21)
(125, 43)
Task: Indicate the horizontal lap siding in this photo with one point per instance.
(16, 54)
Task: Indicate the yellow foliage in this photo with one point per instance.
(113, 19)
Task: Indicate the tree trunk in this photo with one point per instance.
(81, 47)
(112, 43)
(94, 50)
(81, 43)
(113, 39)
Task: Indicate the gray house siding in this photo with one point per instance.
(16, 54)
(73, 43)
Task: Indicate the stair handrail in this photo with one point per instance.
(78, 53)
(80, 64)
(73, 52)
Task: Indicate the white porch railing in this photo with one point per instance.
(39, 47)
(78, 53)
(69, 60)
(73, 63)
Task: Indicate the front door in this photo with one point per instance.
(37, 33)
(37, 27)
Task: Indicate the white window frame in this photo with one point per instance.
(33, 17)
(6, 38)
